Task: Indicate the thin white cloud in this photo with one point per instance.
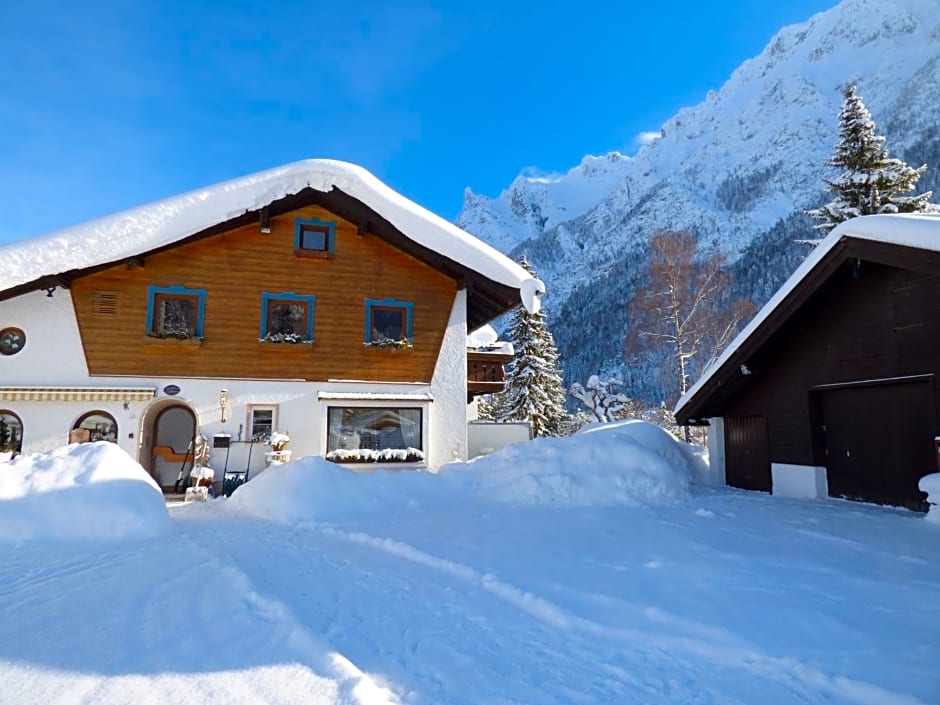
(647, 137)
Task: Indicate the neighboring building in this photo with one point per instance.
(832, 388)
(309, 299)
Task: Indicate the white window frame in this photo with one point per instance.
(250, 420)
(392, 400)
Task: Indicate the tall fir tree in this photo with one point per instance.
(870, 182)
(534, 389)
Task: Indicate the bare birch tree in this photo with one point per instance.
(683, 316)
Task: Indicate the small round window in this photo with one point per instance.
(12, 340)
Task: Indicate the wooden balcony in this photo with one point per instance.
(485, 372)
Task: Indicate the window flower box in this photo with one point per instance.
(289, 338)
(173, 342)
(366, 455)
(402, 345)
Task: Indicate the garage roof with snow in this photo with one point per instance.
(910, 241)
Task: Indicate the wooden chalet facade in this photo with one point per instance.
(328, 307)
(832, 389)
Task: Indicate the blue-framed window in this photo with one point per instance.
(313, 235)
(287, 317)
(175, 312)
(389, 321)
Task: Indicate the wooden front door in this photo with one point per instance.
(173, 431)
(747, 454)
(878, 441)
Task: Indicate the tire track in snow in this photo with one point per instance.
(355, 686)
(790, 670)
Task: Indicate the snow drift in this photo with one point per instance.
(623, 463)
(316, 489)
(633, 463)
(93, 490)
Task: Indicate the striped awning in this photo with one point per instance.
(77, 393)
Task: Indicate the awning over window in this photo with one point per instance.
(77, 393)
(377, 396)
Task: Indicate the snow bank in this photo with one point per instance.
(625, 463)
(315, 489)
(632, 463)
(930, 485)
(93, 490)
(694, 458)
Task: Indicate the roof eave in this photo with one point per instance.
(729, 372)
(487, 299)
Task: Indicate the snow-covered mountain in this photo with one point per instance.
(738, 169)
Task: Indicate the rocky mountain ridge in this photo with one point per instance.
(738, 169)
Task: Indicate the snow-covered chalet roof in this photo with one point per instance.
(916, 230)
(134, 232)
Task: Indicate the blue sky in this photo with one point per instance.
(106, 105)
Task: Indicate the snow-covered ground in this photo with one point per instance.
(537, 575)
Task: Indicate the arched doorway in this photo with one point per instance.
(166, 444)
(94, 426)
(11, 434)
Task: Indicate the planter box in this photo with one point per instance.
(173, 342)
(277, 456)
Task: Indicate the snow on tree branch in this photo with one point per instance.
(599, 397)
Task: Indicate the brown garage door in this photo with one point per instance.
(878, 441)
(747, 458)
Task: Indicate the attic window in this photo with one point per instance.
(314, 238)
(104, 304)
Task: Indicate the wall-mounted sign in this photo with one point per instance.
(171, 390)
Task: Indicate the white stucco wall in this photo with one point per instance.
(53, 351)
(53, 356)
(716, 452)
(449, 387)
(799, 481)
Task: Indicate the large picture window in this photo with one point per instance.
(175, 312)
(11, 434)
(388, 322)
(374, 434)
(287, 318)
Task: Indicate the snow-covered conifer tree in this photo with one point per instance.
(870, 182)
(534, 390)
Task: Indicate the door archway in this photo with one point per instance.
(166, 445)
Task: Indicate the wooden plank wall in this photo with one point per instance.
(235, 268)
(872, 323)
